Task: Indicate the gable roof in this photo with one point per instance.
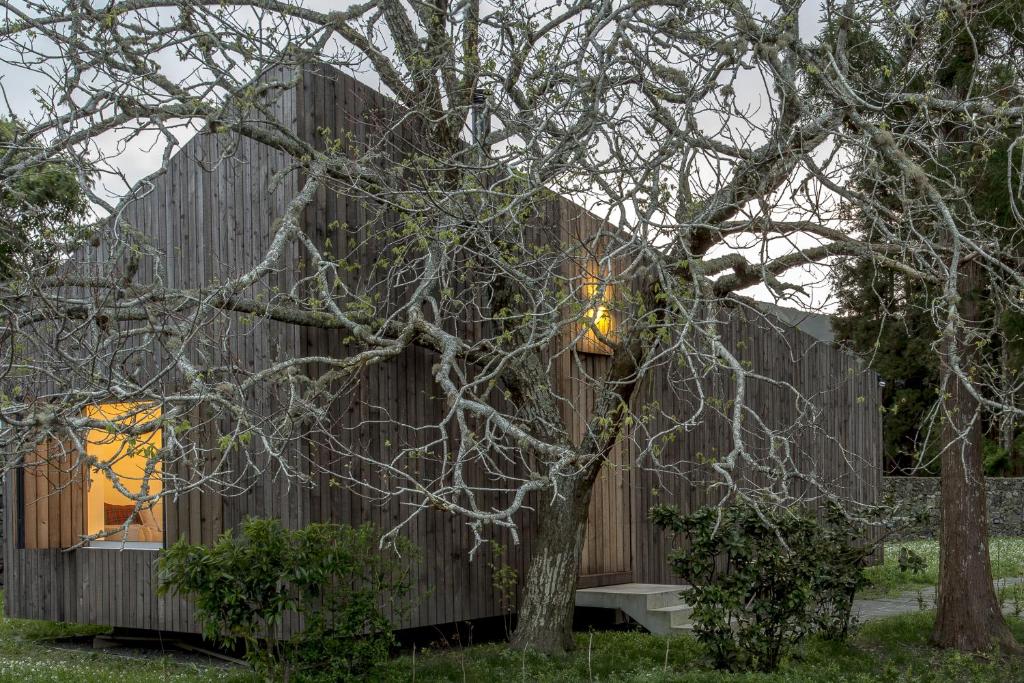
(817, 325)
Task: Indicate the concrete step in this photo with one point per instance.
(665, 619)
(682, 629)
(657, 607)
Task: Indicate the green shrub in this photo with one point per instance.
(761, 579)
(333, 577)
(838, 555)
(911, 561)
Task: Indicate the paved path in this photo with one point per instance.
(870, 609)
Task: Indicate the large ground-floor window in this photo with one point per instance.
(126, 463)
(65, 496)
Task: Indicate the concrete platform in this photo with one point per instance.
(656, 607)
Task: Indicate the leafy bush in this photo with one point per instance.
(911, 561)
(838, 556)
(761, 579)
(333, 577)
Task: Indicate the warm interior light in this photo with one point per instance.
(127, 456)
(601, 318)
(598, 319)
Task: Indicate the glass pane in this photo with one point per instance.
(127, 456)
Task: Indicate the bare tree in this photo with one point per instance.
(724, 147)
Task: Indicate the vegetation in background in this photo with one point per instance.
(886, 318)
(897, 340)
(763, 579)
(505, 580)
(333, 577)
(39, 207)
(910, 561)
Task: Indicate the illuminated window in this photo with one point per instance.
(599, 317)
(127, 455)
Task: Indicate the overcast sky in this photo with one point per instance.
(141, 156)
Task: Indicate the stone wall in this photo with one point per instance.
(1005, 504)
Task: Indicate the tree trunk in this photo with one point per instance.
(1006, 420)
(549, 592)
(969, 617)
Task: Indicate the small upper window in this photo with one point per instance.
(598, 320)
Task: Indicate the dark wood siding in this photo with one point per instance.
(841, 447)
(211, 224)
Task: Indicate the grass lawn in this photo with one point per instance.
(31, 653)
(1007, 555)
(892, 650)
(895, 649)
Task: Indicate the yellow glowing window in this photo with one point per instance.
(129, 461)
(599, 316)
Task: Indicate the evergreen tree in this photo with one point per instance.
(887, 317)
(880, 320)
(40, 206)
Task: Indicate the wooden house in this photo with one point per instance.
(202, 218)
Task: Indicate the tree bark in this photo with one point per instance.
(969, 616)
(549, 592)
(1006, 421)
